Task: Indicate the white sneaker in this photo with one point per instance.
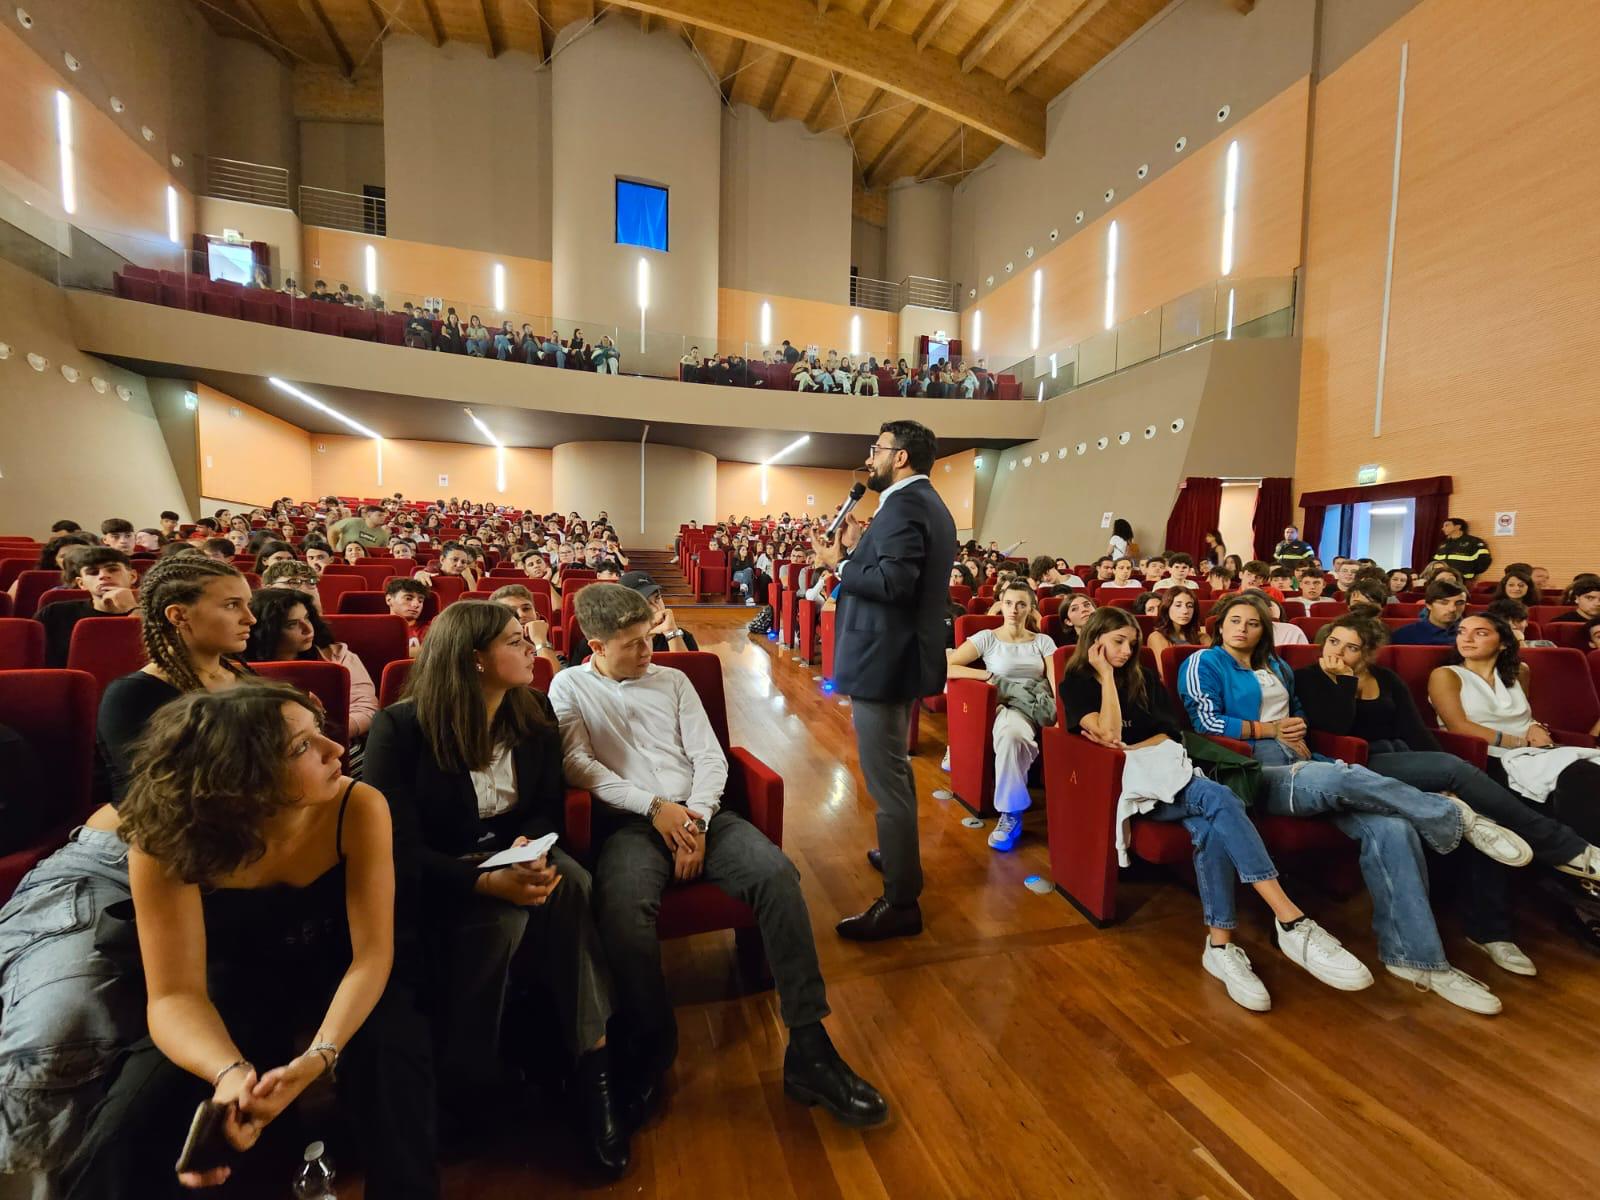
(1311, 946)
(1508, 956)
(944, 763)
(1454, 985)
(1492, 839)
(1585, 866)
(1006, 832)
(1232, 965)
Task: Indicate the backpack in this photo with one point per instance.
(763, 620)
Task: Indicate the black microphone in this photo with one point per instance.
(856, 492)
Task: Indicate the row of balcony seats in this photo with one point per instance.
(778, 376)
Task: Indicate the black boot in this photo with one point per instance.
(813, 1073)
(608, 1140)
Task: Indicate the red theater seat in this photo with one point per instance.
(107, 648)
(21, 644)
(53, 712)
(328, 682)
(31, 585)
(376, 640)
(219, 305)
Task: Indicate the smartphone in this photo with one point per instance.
(207, 1146)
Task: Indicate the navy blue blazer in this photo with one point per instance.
(889, 633)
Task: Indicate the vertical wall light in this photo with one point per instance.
(855, 335)
(789, 449)
(642, 284)
(499, 450)
(370, 257)
(1111, 275)
(1230, 194)
(1038, 299)
(766, 324)
(1052, 366)
(499, 287)
(69, 182)
(977, 330)
(1228, 337)
(174, 234)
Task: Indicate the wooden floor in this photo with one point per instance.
(1027, 1054)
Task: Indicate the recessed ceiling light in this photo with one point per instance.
(1077, 217)
(1222, 113)
(5, 351)
(70, 374)
(1177, 425)
(1082, 447)
(71, 60)
(1010, 267)
(1102, 443)
(1054, 234)
(1179, 145)
(98, 384)
(972, 293)
(989, 282)
(1144, 169)
(1110, 195)
(176, 161)
(1149, 431)
(24, 18)
(1029, 252)
(38, 362)
(124, 392)
(1124, 438)
(117, 105)
(147, 133)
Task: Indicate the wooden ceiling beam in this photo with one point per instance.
(819, 104)
(435, 32)
(488, 29)
(775, 86)
(894, 145)
(730, 68)
(935, 22)
(882, 57)
(538, 30)
(945, 150)
(999, 25)
(269, 35)
(320, 15)
(1064, 33)
(875, 17)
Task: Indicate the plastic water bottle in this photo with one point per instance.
(315, 1180)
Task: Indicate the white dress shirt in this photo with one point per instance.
(496, 784)
(629, 741)
(883, 498)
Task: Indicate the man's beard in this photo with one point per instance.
(878, 481)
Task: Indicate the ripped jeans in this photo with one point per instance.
(73, 997)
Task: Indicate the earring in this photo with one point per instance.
(480, 668)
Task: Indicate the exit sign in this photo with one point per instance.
(1366, 475)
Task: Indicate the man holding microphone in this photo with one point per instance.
(889, 651)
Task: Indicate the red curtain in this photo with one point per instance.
(1431, 512)
(1194, 514)
(1311, 525)
(1273, 515)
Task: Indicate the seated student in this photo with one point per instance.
(1074, 614)
(1219, 580)
(537, 631)
(1104, 570)
(289, 628)
(1283, 633)
(1181, 567)
(1018, 656)
(296, 577)
(1311, 585)
(318, 553)
(1153, 569)
(1122, 578)
(664, 632)
(1253, 574)
(1516, 584)
(1367, 596)
(239, 540)
(265, 897)
(1147, 604)
(219, 548)
(117, 533)
(353, 552)
(637, 737)
(1178, 623)
(147, 540)
(1050, 579)
(169, 523)
(1344, 577)
(1113, 701)
(604, 356)
(1282, 578)
(107, 575)
(1485, 695)
(272, 552)
(1241, 689)
(477, 337)
(1584, 596)
(1444, 603)
(470, 761)
(1347, 693)
(1398, 582)
(866, 381)
(81, 1008)
(454, 559)
(1515, 614)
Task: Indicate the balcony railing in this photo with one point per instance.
(253, 183)
(344, 210)
(889, 296)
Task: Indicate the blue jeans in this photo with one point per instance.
(477, 346)
(502, 346)
(1365, 807)
(549, 348)
(71, 997)
(1225, 843)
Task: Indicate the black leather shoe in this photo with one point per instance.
(882, 920)
(875, 860)
(641, 1098)
(817, 1075)
(608, 1139)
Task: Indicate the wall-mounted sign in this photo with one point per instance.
(810, 501)
(1105, 520)
(1366, 475)
(444, 481)
(1505, 524)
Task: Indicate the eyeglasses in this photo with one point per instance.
(875, 449)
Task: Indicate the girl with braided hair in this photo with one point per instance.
(79, 996)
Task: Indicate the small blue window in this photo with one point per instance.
(641, 215)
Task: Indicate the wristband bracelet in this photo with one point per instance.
(237, 1063)
(328, 1052)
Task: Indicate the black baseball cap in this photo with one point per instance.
(640, 582)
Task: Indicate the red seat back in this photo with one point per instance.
(1171, 662)
(704, 670)
(328, 682)
(1414, 664)
(21, 644)
(331, 587)
(31, 585)
(396, 673)
(57, 595)
(54, 712)
(1560, 689)
(375, 640)
(968, 625)
(107, 648)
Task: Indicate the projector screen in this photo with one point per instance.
(236, 264)
(641, 215)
